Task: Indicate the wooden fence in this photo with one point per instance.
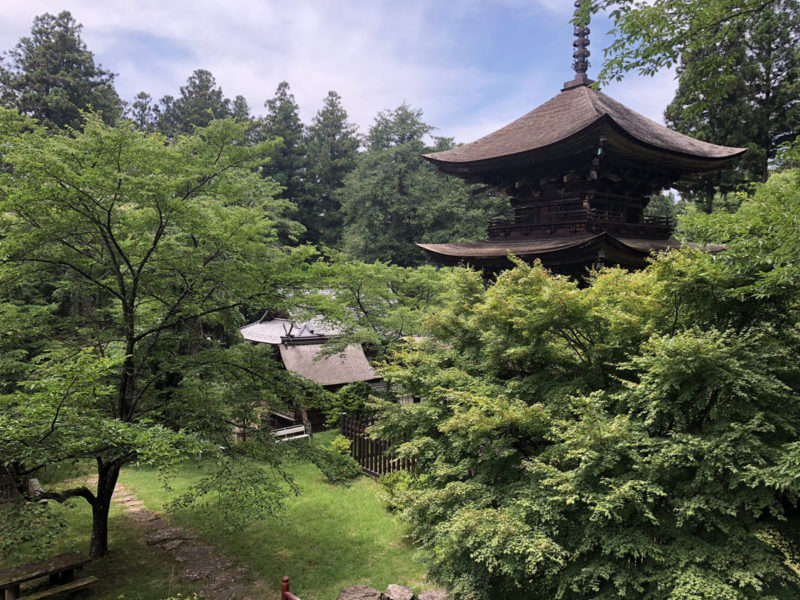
(374, 456)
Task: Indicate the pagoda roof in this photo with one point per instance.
(555, 250)
(564, 122)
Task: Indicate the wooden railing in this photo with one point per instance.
(580, 220)
(375, 456)
(581, 215)
(285, 593)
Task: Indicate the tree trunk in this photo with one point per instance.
(107, 474)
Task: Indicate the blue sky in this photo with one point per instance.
(471, 65)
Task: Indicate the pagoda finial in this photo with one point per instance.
(581, 53)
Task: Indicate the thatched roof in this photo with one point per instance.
(565, 117)
(348, 366)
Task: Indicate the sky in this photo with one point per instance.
(472, 66)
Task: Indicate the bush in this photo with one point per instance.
(395, 486)
(335, 461)
(351, 399)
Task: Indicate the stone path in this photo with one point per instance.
(219, 578)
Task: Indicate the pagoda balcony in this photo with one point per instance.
(584, 220)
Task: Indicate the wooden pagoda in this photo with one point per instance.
(579, 171)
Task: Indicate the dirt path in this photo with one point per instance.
(219, 577)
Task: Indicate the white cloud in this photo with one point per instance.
(375, 53)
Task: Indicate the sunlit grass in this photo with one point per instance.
(329, 537)
(131, 570)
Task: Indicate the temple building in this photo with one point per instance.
(579, 171)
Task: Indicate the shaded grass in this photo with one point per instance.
(130, 571)
(328, 538)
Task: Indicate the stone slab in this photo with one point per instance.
(359, 592)
(398, 592)
(157, 536)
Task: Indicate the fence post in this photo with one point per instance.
(343, 418)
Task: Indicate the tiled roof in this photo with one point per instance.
(271, 332)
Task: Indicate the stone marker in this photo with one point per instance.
(398, 592)
(359, 592)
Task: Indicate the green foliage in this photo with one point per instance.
(149, 250)
(340, 445)
(396, 485)
(394, 197)
(352, 399)
(633, 437)
(143, 113)
(664, 205)
(242, 491)
(742, 92)
(334, 461)
(200, 102)
(378, 304)
(288, 163)
(327, 538)
(52, 76)
(332, 148)
(649, 36)
(30, 529)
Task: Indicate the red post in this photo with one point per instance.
(285, 593)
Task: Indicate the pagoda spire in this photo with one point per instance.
(581, 53)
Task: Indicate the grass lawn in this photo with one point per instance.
(329, 537)
(131, 571)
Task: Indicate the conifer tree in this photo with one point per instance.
(394, 198)
(52, 76)
(288, 164)
(332, 152)
(201, 100)
(144, 113)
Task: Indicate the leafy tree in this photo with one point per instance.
(649, 36)
(52, 76)
(742, 92)
(394, 198)
(288, 164)
(150, 249)
(377, 304)
(664, 205)
(634, 437)
(201, 101)
(332, 153)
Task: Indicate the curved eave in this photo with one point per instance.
(586, 250)
(586, 140)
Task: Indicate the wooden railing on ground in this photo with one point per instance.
(285, 593)
(375, 456)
